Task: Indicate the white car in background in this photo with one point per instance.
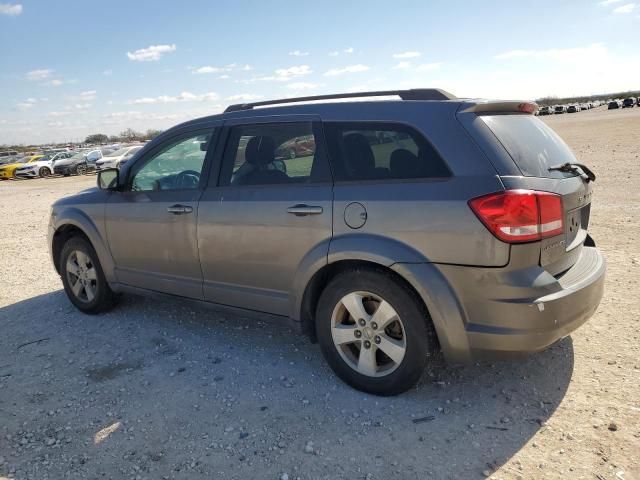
(43, 167)
(117, 158)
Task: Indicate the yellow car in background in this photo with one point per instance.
(9, 170)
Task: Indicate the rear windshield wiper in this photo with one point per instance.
(584, 171)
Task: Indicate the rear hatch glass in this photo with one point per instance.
(533, 146)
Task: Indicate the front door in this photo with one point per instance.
(152, 224)
(269, 213)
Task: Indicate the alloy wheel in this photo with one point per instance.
(82, 276)
(368, 334)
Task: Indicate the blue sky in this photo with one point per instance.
(70, 68)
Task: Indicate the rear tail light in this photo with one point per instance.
(516, 216)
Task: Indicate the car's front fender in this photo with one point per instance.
(94, 230)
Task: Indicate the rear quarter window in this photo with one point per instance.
(533, 146)
(380, 151)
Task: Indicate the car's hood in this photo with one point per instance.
(11, 165)
(39, 163)
(90, 195)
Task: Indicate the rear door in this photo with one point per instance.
(534, 148)
(268, 213)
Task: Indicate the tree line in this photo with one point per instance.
(128, 135)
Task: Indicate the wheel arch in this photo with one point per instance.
(74, 222)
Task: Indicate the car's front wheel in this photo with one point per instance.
(373, 332)
(81, 169)
(44, 172)
(82, 276)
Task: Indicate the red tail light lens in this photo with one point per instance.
(517, 216)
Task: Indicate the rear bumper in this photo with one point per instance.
(509, 311)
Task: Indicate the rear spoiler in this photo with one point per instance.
(499, 106)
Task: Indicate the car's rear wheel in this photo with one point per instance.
(82, 276)
(81, 169)
(373, 332)
(44, 172)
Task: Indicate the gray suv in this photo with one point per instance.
(388, 230)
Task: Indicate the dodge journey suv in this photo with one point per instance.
(395, 230)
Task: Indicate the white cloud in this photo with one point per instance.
(82, 106)
(224, 77)
(402, 66)
(302, 86)
(39, 74)
(626, 8)
(244, 97)
(88, 95)
(108, 72)
(348, 69)
(246, 68)
(207, 69)
(27, 104)
(609, 2)
(58, 114)
(54, 83)
(9, 9)
(298, 53)
(346, 51)
(182, 97)
(592, 50)
(152, 53)
(406, 55)
(285, 74)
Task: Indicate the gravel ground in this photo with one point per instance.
(164, 390)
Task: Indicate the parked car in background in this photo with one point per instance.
(80, 163)
(377, 244)
(614, 104)
(43, 167)
(8, 170)
(573, 109)
(629, 102)
(560, 109)
(9, 156)
(117, 158)
(546, 110)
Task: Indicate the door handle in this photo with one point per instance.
(303, 210)
(179, 209)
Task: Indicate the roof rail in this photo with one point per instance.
(413, 94)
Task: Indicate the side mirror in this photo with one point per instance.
(108, 179)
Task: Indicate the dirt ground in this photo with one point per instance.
(158, 390)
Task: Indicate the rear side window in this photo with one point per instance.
(379, 151)
(268, 154)
(533, 145)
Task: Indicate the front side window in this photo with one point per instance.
(273, 154)
(177, 166)
(371, 151)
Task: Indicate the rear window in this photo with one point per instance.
(533, 146)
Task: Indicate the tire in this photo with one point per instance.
(44, 172)
(81, 169)
(412, 330)
(95, 296)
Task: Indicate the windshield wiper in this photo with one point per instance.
(584, 171)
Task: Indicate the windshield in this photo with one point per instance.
(533, 145)
(77, 156)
